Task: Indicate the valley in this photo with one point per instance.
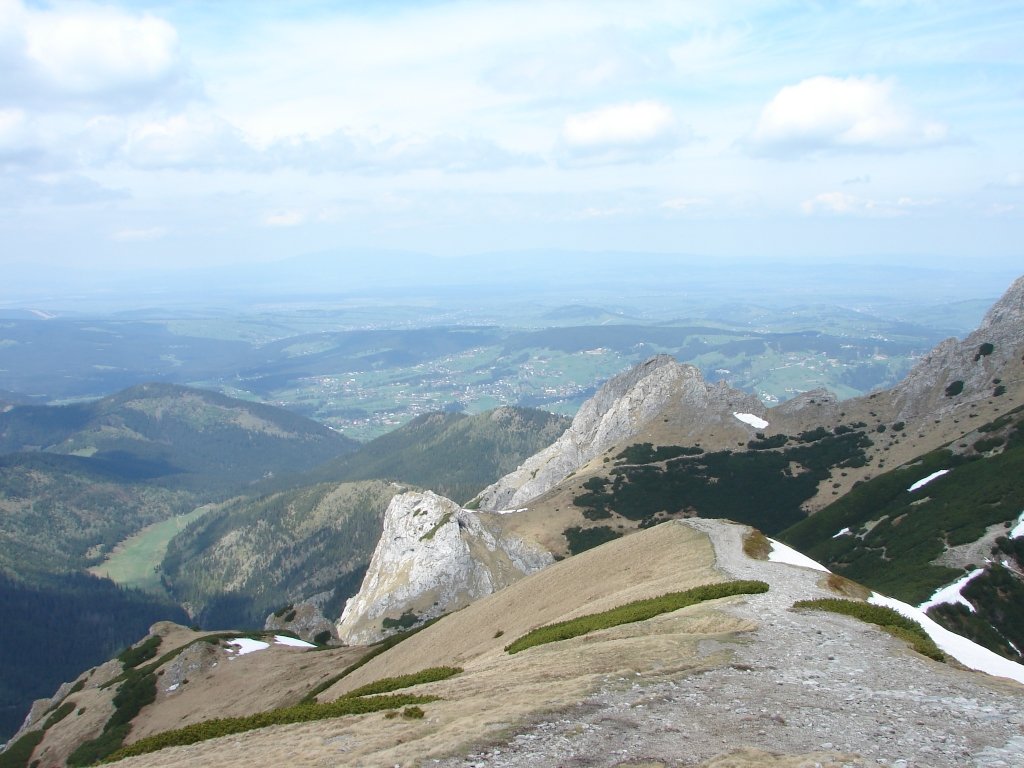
(365, 367)
(467, 384)
(135, 561)
(269, 518)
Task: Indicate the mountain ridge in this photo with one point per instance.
(759, 681)
(661, 391)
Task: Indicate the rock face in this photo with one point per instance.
(618, 411)
(976, 368)
(305, 619)
(433, 557)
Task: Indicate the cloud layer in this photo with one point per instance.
(853, 114)
(472, 125)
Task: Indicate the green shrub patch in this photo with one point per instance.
(388, 684)
(638, 610)
(59, 714)
(886, 618)
(405, 621)
(20, 752)
(384, 645)
(582, 539)
(300, 713)
(758, 487)
(131, 657)
(137, 690)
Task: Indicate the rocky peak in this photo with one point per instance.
(433, 557)
(618, 412)
(981, 366)
(1007, 314)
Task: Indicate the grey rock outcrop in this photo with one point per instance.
(618, 412)
(305, 619)
(433, 557)
(956, 371)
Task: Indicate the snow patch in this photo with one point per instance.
(844, 532)
(951, 593)
(1018, 529)
(247, 645)
(292, 642)
(925, 480)
(748, 418)
(782, 554)
(968, 653)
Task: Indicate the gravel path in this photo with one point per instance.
(805, 682)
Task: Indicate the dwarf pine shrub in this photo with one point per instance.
(638, 610)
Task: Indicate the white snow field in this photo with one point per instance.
(748, 418)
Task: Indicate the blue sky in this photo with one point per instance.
(141, 135)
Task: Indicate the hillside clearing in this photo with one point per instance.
(134, 562)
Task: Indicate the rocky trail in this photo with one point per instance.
(799, 692)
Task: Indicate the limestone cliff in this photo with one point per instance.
(433, 557)
(618, 412)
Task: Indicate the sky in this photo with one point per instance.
(138, 135)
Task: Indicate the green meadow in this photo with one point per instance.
(134, 562)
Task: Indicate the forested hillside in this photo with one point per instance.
(249, 557)
(176, 437)
(454, 453)
(56, 625)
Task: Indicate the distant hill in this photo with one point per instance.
(581, 313)
(454, 453)
(249, 557)
(176, 437)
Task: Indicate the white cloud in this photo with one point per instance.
(13, 128)
(345, 151)
(843, 204)
(193, 141)
(635, 131)
(69, 55)
(1012, 180)
(139, 235)
(93, 50)
(641, 122)
(841, 115)
(680, 204)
